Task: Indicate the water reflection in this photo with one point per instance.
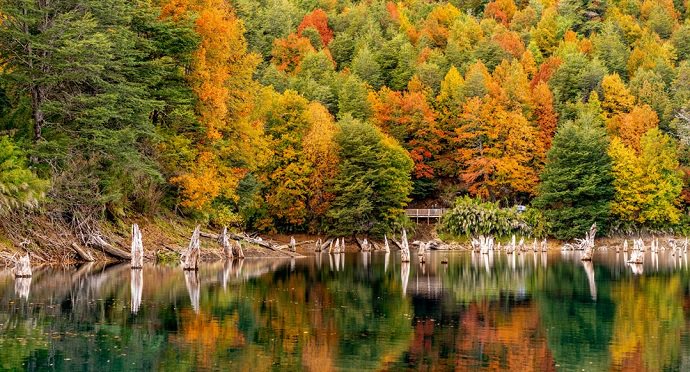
(368, 311)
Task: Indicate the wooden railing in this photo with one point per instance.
(425, 213)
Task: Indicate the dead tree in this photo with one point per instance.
(404, 248)
(386, 246)
(224, 241)
(293, 244)
(137, 248)
(238, 250)
(190, 258)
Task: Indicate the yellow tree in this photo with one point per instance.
(648, 183)
(221, 77)
(617, 98)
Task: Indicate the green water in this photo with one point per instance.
(354, 312)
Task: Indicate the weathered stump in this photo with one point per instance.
(225, 243)
(366, 247)
(137, 248)
(238, 250)
(22, 267)
(386, 246)
(317, 247)
(544, 245)
(293, 244)
(190, 258)
(405, 248)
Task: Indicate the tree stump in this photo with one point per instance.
(238, 250)
(225, 243)
(365, 245)
(317, 248)
(386, 246)
(342, 246)
(137, 248)
(405, 248)
(22, 267)
(544, 245)
(293, 244)
(190, 258)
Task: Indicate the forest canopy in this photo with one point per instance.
(333, 115)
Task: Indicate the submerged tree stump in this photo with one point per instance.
(238, 250)
(22, 267)
(386, 246)
(317, 246)
(225, 243)
(137, 248)
(366, 247)
(587, 244)
(190, 258)
(405, 248)
(293, 244)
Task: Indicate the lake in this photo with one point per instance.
(354, 311)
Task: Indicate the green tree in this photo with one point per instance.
(576, 188)
(373, 182)
(19, 187)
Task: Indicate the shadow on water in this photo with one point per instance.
(355, 311)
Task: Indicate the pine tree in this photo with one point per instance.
(373, 181)
(576, 188)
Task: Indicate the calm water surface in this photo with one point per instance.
(535, 311)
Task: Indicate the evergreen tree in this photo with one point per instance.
(19, 187)
(576, 188)
(373, 181)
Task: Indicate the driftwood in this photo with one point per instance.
(190, 258)
(137, 248)
(317, 246)
(136, 284)
(225, 243)
(22, 267)
(248, 239)
(405, 248)
(82, 254)
(98, 242)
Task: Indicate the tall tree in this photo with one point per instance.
(373, 181)
(576, 188)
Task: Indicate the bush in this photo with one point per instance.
(472, 217)
(19, 187)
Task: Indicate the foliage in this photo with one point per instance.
(576, 188)
(373, 181)
(19, 186)
(471, 217)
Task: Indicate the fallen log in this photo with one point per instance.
(98, 242)
(82, 254)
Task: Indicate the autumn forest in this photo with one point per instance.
(333, 116)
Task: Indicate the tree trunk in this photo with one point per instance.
(190, 258)
(225, 243)
(82, 254)
(137, 248)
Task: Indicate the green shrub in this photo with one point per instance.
(472, 217)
